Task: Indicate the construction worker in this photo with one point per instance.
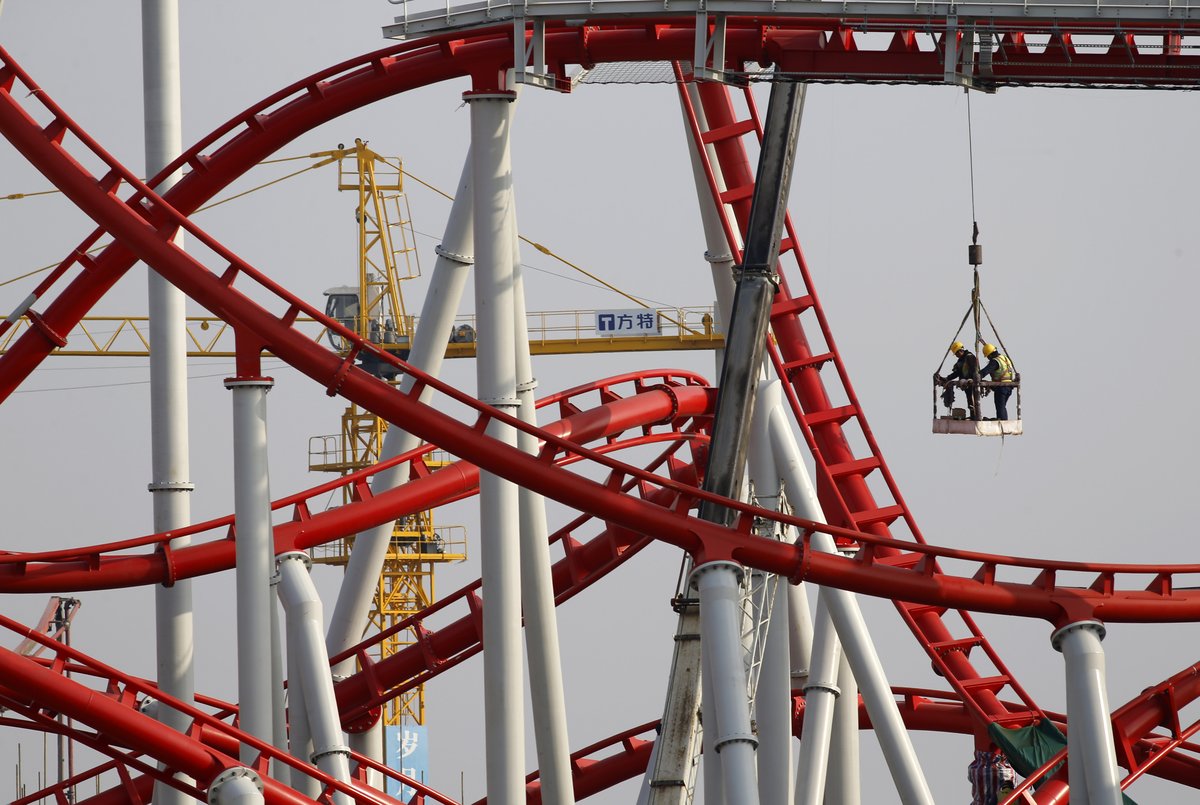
(1000, 369)
(965, 369)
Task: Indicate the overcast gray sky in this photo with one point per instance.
(1086, 202)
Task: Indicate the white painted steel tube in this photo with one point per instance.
(305, 625)
(278, 711)
(1087, 711)
(820, 699)
(714, 776)
(719, 584)
(537, 585)
(350, 612)
(498, 498)
(768, 485)
(237, 786)
(852, 630)
(299, 736)
(370, 743)
(773, 707)
(842, 785)
(717, 254)
(773, 700)
(255, 557)
(170, 487)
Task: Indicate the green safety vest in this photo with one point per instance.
(1005, 373)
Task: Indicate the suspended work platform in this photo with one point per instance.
(985, 427)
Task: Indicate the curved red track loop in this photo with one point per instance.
(625, 755)
(672, 399)
(841, 473)
(917, 582)
(870, 573)
(33, 688)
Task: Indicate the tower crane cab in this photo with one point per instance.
(344, 305)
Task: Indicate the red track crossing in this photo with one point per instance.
(929, 581)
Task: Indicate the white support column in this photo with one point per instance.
(717, 247)
(773, 700)
(820, 699)
(255, 556)
(278, 711)
(537, 584)
(842, 785)
(299, 735)
(370, 743)
(714, 775)
(353, 605)
(719, 584)
(237, 786)
(499, 500)
(773, 707)
(852, 629)
(305, 626)
(170, 487)
(1089, 733)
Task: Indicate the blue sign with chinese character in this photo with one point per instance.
(638, 321)
(407, 749)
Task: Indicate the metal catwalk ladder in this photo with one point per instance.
(850, 470)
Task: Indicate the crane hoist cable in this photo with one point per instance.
(975, 259)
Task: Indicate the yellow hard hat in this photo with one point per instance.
(988, 349)
(956, 346)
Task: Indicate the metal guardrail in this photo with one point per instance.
(209, 337)
(420, 18)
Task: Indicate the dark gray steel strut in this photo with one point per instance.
(756, 285)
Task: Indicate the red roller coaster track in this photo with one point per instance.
(632, 501)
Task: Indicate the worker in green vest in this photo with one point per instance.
(999, 369)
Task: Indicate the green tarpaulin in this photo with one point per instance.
(1028, 748)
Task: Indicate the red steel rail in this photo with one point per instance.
(907, 571)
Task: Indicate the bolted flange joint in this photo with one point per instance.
(720, 564)
(1060, 634)
(736, 738)
(239, 775)
(454, 257)
(288, 556)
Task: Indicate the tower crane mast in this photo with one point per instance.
(374, 308)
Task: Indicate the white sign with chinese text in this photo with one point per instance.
(638, 321)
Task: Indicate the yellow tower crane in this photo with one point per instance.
(374, 308)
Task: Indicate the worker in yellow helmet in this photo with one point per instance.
(966, 369)
(1000, 369)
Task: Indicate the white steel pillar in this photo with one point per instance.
(820, 699)
(352, 608)
(714, 775)
(773, 706)
(720, 587)
(537, 584)
(170, 487)
(491, 118)
(1090, 739)
(842, 785)
(278, 704)
(773, 698)
(718, 255)
(255, 556)
(236, 786)
(305, 624)
(852, 629)
(370, 742)
(299, 735)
